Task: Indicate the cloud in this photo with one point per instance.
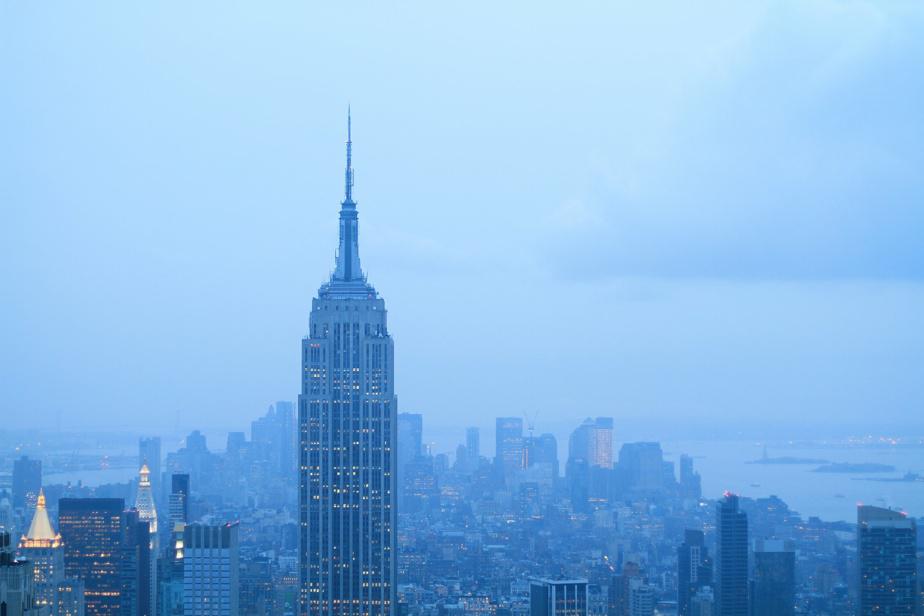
(798, 156)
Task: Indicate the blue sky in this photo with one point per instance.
(675, 214)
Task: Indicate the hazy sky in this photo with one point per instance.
(678, 214)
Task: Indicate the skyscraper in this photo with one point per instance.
(543, 450)
(694, 569)
(642, 466)
(592, 442)
(347, 430)
(211, 570)
(690, 481)
(135, 566)
(473, 447)
(179, 498)
(731, 558)
(169, 595)
(149, 454)
(774, 579)
(147, 512)
(887, 559)
(508, 436)
(91, 532)
(272, 434)
(410, 439)
(27, 481)
(42, 547)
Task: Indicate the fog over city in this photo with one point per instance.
(671, 214)
(476, 309)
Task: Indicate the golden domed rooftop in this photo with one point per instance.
(41, 534)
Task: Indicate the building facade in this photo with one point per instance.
(886, 541)
(347, 434)
(694, 569)
(91, 530)
(211, 570)
(774, 589)
(17, 596)
(557, 597)
(147, 512)
(41, 545)
(508, 446)
(473, 447)
(135, 564)
(731, 558)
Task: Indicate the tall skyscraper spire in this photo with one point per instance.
(147, 512)
(349, 164)
(347, 437)
(347, 268)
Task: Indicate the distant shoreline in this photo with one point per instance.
(845, 467)
(789, 460)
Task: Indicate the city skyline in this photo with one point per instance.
(655, 309)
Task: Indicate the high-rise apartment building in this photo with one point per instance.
(886, 552)
(347, 429)
(731, 558)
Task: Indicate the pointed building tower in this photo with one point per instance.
(347, 414)
(147, 512)
(144, 501)
(42, 546)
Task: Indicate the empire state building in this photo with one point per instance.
(347, 429)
